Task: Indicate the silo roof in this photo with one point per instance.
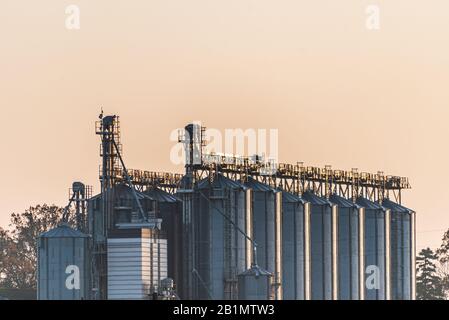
(258, 186)
(220, 181)
(291, 198)
(161, 196)
(63, 231)
(342, 202)
(311, 197)
(396, 207)
(123, 188)
(368, 204)
(255, 271)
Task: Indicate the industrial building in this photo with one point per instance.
(230, 228)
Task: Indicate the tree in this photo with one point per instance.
(18, 254)
(443, 257)
(428, 283)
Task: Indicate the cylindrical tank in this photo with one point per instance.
(350, 218)
(255, 284)
(376, 250)
(295, 212)
(63, 264)
(168, 208)
(322, 247)
(267, 229)
(219, 211)
(401, 239)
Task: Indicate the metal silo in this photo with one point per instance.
(267, 230)
(255, 284)
(350, 249)
(169, 209)
(63, 264)
(376, 250)
(295, 239)
(402, 238)
(323, 250)
(219, 249)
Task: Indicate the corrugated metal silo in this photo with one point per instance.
(323, 250)
(350, 249)
(376, 250)
(219, 248)
(168, 208)
(255, 284)
(63, 264)
(402, 250)
(267, 229)
(295, 239)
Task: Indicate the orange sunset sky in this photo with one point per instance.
(338, 93)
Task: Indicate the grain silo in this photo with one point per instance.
(350, 249)
(219, 248)
(267, 230)
(295, 247)
(323, 251)
(376, 247)
(168, 208)
(402, 239)
(63, 265)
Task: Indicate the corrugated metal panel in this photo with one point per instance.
(413, 255)
(135, 267)
(401, 250)
(219, 249)
(348, 248)
(265, 213)
(375, 250)
(63, 265)
(293, 247)
(321, 251)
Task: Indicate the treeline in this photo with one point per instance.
(18, 245)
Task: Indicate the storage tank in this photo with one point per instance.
(323, 253)
(267, 229)
(295, 239)
(63, 264)
(376, 250)
(219, 211)
(350, 249)
(169, 209)
(255, 284)
(401, 250)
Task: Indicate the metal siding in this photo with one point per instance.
(55, 254)
(413, 255)
(321, 252)
(375, 254)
